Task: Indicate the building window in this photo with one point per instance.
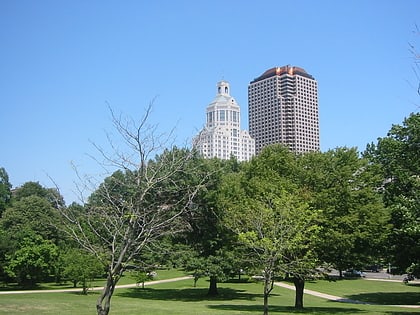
(222, 115)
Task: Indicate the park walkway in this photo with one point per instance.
(122, 286)
(339, 298)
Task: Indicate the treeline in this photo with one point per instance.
(279, 215)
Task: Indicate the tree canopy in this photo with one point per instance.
(354, 221)
(398, 155)
(5, 190)
(271, 216)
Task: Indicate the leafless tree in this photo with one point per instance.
(144, 199)
(416, 57)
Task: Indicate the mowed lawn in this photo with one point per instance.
(234, 298)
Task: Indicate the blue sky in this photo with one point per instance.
(62, 63)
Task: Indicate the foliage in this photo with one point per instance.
(33, 262)
(35, 189)
(353, 218)
(271, 216)
(210, 240)
(30, 215)
(142, 276)
(398, 154)
(81, 267)
(5, 190)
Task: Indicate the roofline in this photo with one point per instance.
(279, 71)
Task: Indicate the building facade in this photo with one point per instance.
(283, 108)
(222, 136)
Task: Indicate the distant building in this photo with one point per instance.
(222, 136)
(283, 108)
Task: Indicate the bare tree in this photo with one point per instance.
(416, 59)
(144, 199)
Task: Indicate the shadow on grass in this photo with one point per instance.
(388, 298)
(226, 294)
(286, 309)
(401, 313)
(188, 294)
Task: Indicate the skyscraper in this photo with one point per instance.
(222, 136)
(283, 108)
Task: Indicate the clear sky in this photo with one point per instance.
(62, 63)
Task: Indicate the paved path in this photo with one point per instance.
(95, 288)
(338, 298)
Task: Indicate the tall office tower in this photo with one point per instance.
(222, 136)
(283, 108)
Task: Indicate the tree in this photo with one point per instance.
(416, 59)
(271, 216)
(81, 267)
(5, 192)
(208, 237)
(52, 195)
(398, 155)
(30, 212)
(31, 215)
(144, 200)
(5, 198)
(142, 276)
(33, 262)
(353, 218)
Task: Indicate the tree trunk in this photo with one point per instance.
(265, 303)
(84, 287)
(213, 286)
(300, 286)
(268, 287)
(103, 304)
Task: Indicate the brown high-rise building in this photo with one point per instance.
(283, 108)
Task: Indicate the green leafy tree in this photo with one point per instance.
(5, 198)
(142, 276)
(28, 189)
(196, 265)
(30, 212)
(5, 190)
(354, 221)
(81, 268)
(31, 215)
(272, 218)
(208, 237)
(398, 155)
(26, 217)
(33, 262)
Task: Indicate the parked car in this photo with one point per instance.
(352, 273)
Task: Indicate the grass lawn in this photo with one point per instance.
(370, 291)
(181, 297)
(128, 278)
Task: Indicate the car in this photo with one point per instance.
(352, 273)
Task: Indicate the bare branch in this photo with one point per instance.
(144, 198)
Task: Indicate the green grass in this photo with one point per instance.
(181, 297)
(375, 292)
(128, 278)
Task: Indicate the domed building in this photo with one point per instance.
(222, 136)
